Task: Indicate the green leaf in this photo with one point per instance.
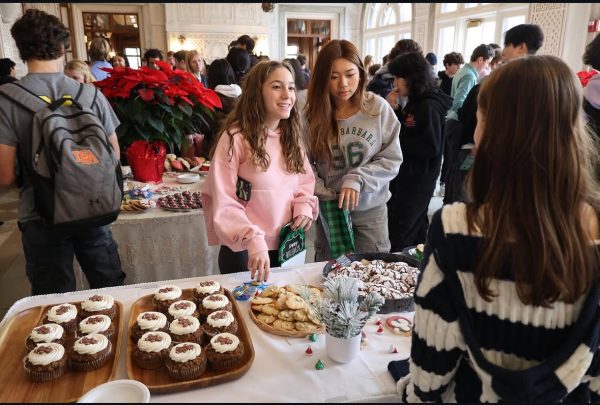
(156, 124)
(186, 108)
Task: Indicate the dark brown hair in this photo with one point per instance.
(40, 35)
(531, 180)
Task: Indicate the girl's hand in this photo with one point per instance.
(392, 98)
(348, 199)
(258, 264)
(302, 221)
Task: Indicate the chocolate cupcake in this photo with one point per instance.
(90, 352)
(149, 322)
(214, 302)
(182, 308)
(165, 296)
(96, 324)
(99, 304)
(206, 288)
(152, 350)
(186, 329)
(186, 361)
(225, 352)
(47, 333)
(220, 322)
(64, 314)
(46, 362)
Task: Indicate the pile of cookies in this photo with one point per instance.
(136, 205)
(283, 309)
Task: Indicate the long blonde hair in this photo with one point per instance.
(80, 66)
(323, 131)
(249, 116)
(532, 177)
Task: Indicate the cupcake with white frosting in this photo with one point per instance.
(99, 304)
(220, 322)
(149, 321)
(152, 350)
(225, 352)
(182, 308)
(96, 324)
(47, 333)
(186, 361)
(214, 302)
(64, 314)
(46, 362)
(90, 352)
(165, 296)
(186, 329)
(206, 288)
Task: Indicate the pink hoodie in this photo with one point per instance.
(276, 197)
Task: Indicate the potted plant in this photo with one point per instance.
(343, 314)
(158, 107)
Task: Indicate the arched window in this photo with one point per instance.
(386, 24)
(388, 16)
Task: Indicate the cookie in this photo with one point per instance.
(280, 303)
(257, 308)
(300, 315)
(294, 302)
(306, 327)
(291, 288)
(269, 309)
(286, 315)
(266, 318)
(261, 301)
(271, 291)
(283, 325)
(313, 317)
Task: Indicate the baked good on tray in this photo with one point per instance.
(90, 352)
(165, 296)
(224, 352)
(186, 361)
(46, 362)
(220, 322)
(186, 329)
(182, 308)
(151, 350)
(206, 288)
(214, 302)
(96, 324)
(98, 304)
(149, 321)
(47, 333)
(64, 314)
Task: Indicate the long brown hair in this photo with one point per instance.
(248, 116)
(532, 178)
(323, 131)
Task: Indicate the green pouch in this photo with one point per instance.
(337, 225)
(291, 243)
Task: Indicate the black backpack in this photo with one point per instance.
(75, 175)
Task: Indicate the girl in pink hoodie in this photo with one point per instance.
(260, 178)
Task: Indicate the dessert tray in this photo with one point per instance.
(158, 381)
(15, 385)
(299, 326)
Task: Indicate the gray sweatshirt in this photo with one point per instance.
(369, 158)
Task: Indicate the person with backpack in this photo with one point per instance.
(69, 191)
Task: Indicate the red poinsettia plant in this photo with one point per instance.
(584, 76)
(163, 104)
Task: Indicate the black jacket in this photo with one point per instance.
(445, 82)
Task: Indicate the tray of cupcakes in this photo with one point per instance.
(185, 339)
(56, 353)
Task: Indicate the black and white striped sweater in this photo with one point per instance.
(465, 349)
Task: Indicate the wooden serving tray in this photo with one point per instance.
(158, 381)
(15, 385)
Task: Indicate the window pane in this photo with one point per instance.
(482, 34)
(510, 22)
(101, 22)
(449, 7)
(488, 32)
(386, 44)
(133, 56)
(405, 12)
(405, 35)
(372, 15)
(470, 5)
(370, 47)
(388, 16)
(446, 41)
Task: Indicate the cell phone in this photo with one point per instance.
(243, 189)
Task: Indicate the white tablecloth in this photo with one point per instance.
(281, 372)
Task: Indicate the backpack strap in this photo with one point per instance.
(23, 97)
(87, 95)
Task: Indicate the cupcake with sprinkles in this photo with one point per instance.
(220, 322)
(182, 308)
(47, 333)
(214, 302)
(186, 361)
(46, 362)
(206, 288)
(96, 324)
(65, 315)
(149, 321)
(152, 349)
(99, 304)
(225, 352)
(90, 352)
(165, 296)
(186, 329)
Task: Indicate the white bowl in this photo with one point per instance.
(129, 391)
(188, 178)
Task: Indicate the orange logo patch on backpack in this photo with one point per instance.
(85, 157)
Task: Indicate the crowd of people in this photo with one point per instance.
(506, 306)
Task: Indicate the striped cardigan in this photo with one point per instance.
(465, 349)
